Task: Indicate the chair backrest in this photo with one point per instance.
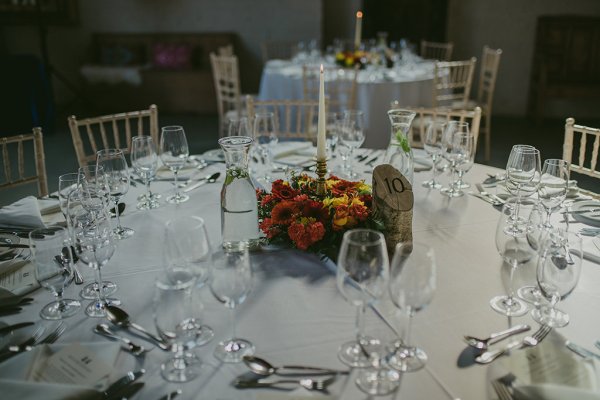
(340, 85)
(277, 49)
(225, 50)
(295, 119)
(426, 116)
(452, 82)
(15, 145)
(111, 131)
(586, 161)
(436, 50)
(226, 76)
(490, 61)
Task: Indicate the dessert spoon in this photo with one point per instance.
(264, 368)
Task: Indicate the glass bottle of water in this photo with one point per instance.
(399, 154)
(239, 208)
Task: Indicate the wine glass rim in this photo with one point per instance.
(352, 112)
(110, 151)
(378, 237)
(524, 148)
(401, 111)
(235, 140)
(68, 176)
(264, 114)
(142, 137)
(185, 218)
(555, 161)
(163, 283)
(171, 128)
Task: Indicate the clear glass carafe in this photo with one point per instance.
(239, 208)
(399, 154)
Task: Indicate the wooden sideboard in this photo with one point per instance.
(566, 61)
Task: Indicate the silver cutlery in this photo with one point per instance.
(11, 328)
(123, 382)
(23, 346)
(54, 335)
(126, 392)
(581, 351)
(104, 330)
(495, 337)
(14, 245)
(120, 318)
(172, 395)
(486, 199)
(207, 179)
(307, 383)
(528, 341)
(372, 160)
(262, 367)
(589, 231)
(502, 390)
(485, 193)
(589, 210)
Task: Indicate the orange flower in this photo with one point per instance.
(284, 212)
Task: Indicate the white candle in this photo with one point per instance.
(358, 30)
(321, 138)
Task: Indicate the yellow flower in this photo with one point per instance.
(337, 201)
(363, 187)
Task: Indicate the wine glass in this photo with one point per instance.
(265, 137)
(175, 323)
(558, 270)
(464, 144)
(513, 246)
(361, 277)
(231, 284)
(536, 234)
(454, 150)
(66, 184)
(552, 190)
(332, 128)
(412, 285)
(117, 176)
(54, 270)
(432, 144)
(188, 255)
(144, 161)
(174, 152)
(351, 136)
(523, 170)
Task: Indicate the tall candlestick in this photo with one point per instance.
(358, 30)
(321, 138)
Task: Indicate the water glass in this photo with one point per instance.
(265, 137)
(66, 184)
(351, 136)
(523, 170)
(144, 161)
(455, 149)
(54, 270)
(432, 143)
(174, 153)
(552, 190)
(464, 145)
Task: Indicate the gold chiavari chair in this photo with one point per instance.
(436, 50)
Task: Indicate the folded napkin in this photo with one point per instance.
(422, 158)
(591, 248)
(16, 374)
(48, 206)
(283, 149)
(24, 213)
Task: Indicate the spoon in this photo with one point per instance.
(104, 330)
(120, 318)
(208, 179)
(67, 256)
(495, 337)
(264, 368)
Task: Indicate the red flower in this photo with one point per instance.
(314, 209)
(359, 211)
(284, 212)
(305, 235)
(282, 191)
(342, 187)
(301, 198)
(269, 229)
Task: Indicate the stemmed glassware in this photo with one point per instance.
(558, 270)
(231, 284)
(175, 323)
(332, 128)
(174, 153)
(351, 137)
(54, 270)
(455, 150)
(464, 143)
(552, 190)
(412, 286)
(513, 246)
(362, 274)
(66, 184)
(432, 144)
(523, 170)
(265, 137)
(117, 176)
(144, 161)
(188, 255)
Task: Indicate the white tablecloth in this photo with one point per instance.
(295, 314)
(411, 85)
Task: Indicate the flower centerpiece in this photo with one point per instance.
(293, 214)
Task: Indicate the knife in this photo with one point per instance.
(485, 198)
(172, 395)
(123, 382)
(590, 210)
(202, 181)
(126, 392)
(583, 352)
(14, 300)
(14, 245)
(14, 327)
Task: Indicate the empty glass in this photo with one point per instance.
(351, 137)
(332, 128)
(174, 311)
(558, 270)
(117, 176)
(552, 190)
(432, 144)
(231, 284)
(455, 148)
(464, 144)
(54, 270)
(265, 137)
(362, 274)
(412, 285)
(66, 184)
(523, 170)
(174, 153)
(144, 161)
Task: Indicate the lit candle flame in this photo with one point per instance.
(359, 14)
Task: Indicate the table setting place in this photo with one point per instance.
(270, 268)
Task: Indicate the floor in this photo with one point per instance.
(202, 133)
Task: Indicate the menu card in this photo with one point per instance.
(19, 278)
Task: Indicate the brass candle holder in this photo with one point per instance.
(321, 172)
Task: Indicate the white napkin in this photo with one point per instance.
(48, 206)
(14, 373)
(422, 158)
(23, 213)
(591, 252)
(283, 149)
(553, 392)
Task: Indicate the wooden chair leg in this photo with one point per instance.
(488, 137)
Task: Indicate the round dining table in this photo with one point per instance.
(296, 316)
(410, 84)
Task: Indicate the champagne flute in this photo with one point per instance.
(117, 176)
(513, 246)
(432, 144)
(54, 270)
(231, 284)
(66, 184)
(188, 255)
(362, 274)
(454, 150)
(552, 190)
(412, 285)
(351, 136)
(464, 143)
(174, 153)
(144, 161)
(175, 323)
(558, 271)
(265, 137)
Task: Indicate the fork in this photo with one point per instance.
(528, 341)
(502, 390)
(307, 383)
(23, 346)
(485, 193)
(54, 335)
